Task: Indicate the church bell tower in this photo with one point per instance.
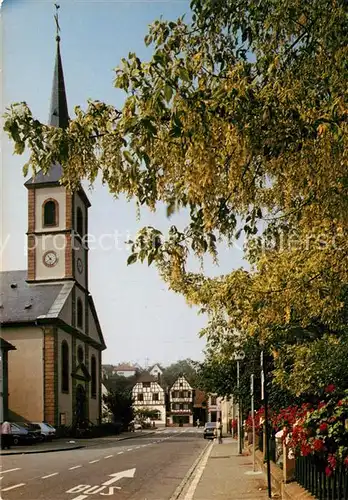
(57, 219)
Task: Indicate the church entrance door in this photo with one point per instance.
(81, 406)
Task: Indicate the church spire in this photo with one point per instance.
(58, 116)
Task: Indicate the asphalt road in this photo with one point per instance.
(143, 468)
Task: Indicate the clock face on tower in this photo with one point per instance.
(50, 258)
(79, 265)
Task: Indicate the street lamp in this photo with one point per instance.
(239, 356)
(264, 397)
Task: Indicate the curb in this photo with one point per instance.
(188, 475)
(77, 447)
(32, 452)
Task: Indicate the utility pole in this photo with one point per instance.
(264, 397)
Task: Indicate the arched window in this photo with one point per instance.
(79, 221)
(50, 213)
(79, 313)
(93, 377)
(65, 366)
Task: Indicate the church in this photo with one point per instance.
(48, 319)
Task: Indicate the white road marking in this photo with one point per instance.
(10, 470)
(75, 467)
(94, 461)
(120, 453)
(137, 447)
(50, 475)
(109, 456)
(129, 449)
(199, 471)
(12, 487)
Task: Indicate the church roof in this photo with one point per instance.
(21, 302)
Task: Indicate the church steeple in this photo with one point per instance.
(58, 116)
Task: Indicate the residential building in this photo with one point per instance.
(156, 371)
(199, 406)
(148, 393)
(5, 347)
(47, 311)
(181, 403)
(124, 370)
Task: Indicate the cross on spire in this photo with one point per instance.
(56, 18)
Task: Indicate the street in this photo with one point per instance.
(143, 468)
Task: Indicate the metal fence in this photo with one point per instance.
(310, 473)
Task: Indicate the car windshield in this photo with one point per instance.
(210, 425)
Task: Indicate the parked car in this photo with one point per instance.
(21, 434)
(47, 431)
(209, 430)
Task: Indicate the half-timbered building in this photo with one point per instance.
(181, 403)
(148, 394)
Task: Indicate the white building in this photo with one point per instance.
(156, 370)
(181, 402)
(219, 407)
(124, 370)
(148, 394)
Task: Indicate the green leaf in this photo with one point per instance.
(25, 169)
(132, 258)
(128, 157)
(168, 92)
(150, 258)
(184, 75)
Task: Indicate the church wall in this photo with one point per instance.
(25, 373)
(46, 242)
(65, 412)
(58, 194)
(94, 402)
(80, 253)
(80, 294)
(92, 327)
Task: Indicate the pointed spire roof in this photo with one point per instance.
(58, 117)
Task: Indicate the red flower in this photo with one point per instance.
(332, 461)
(323, 427)
(328, 471)
(346, 462)
(305, 449)
(330, 388)
(340, 403)
(318, 444)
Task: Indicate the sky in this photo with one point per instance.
(142, 321)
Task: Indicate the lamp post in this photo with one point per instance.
(239, 356)
(264, 397)
(253, 416)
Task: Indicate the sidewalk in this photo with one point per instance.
(226, 476)
(66, 444)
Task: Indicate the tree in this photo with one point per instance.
(120, 403)
(144, 413)
(184, 367)
(241, 119)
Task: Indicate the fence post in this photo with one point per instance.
(288, 465)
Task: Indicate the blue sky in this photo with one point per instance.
(140, 317)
